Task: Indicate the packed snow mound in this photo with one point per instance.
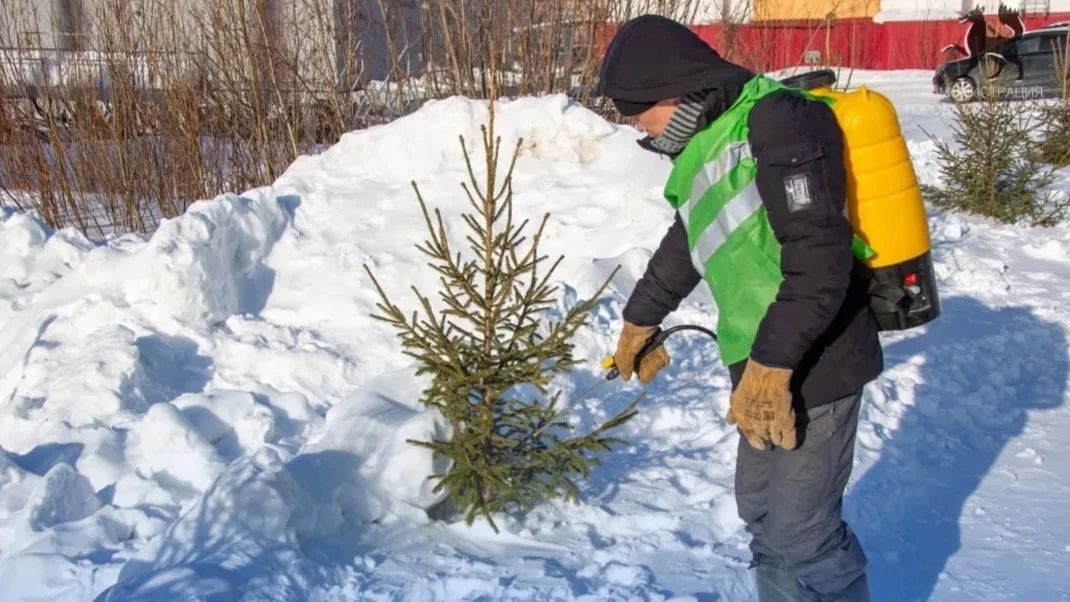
(554, 128)
(145, 379)
(214, 414)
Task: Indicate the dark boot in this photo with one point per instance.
(776, 585)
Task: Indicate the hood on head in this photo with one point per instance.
(652, 58)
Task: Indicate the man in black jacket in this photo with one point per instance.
(796, 394)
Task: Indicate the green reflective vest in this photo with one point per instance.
(712, 188)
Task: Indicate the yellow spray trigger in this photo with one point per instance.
(608, 362)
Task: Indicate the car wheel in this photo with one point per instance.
(962, 90)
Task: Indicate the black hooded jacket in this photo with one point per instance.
(820, 324)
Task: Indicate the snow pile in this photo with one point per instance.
(213, 414)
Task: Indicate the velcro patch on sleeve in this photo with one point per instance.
(797, 189)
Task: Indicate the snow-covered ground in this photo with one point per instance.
(212, 414)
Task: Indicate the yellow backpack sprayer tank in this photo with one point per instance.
(884, 203)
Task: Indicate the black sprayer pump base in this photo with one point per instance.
(811, 79)
(904, 296)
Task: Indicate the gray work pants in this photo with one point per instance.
(791, 502)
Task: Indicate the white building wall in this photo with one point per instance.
(1059, 6)
(713, 11)
(693, 11)
(912, 10)
(34, 23)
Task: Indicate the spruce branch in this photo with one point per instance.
(993, 166)
(489, 344)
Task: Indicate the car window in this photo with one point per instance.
(1028, 45)
(1053, 44)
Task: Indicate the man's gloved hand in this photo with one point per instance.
(761, 405)
(632, 340)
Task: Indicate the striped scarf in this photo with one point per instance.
(683, 124)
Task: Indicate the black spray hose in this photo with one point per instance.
(657, 339)
(610, 364)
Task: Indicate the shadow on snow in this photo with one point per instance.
(984, 370)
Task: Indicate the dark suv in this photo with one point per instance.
(1024, 66)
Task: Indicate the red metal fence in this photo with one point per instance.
(858, 43)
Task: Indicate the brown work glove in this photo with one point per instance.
(761, 405)
(632, 339)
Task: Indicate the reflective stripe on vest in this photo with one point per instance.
(739, 207)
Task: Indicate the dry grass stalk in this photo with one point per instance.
(162, 103)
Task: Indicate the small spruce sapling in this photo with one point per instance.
(996, 170)
(1054, 147)
(488, 343)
